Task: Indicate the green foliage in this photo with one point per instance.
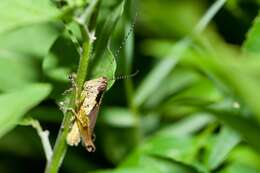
(15, 13)
(15, 104)
(225, 142)
(154, 79)
(193, 108)
(252, 41)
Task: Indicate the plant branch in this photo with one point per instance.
(84, 20)
(43, 134)
(60, 147)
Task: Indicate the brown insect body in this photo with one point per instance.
(87, 110)
(92, 95)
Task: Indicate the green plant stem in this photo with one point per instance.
(212, 11)
(43, 134)
(83, 64)
(60, 147)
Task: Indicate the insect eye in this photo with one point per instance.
(93, 137)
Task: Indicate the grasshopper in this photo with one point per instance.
(85, 113)
(87, 106)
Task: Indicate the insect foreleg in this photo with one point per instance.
(72, 111)
(72, 79)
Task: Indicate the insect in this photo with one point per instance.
(87, 106)
(88, 103)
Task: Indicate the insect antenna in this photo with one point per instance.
(126, 37)
(118, 51)
(125, 76)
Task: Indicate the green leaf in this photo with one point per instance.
(105, 66)
(127, 170)
(225, 142)
(155, 17)
(154, 79)
(153, 164)
(247, 128)
(122, 40)
(107, 29)
(117, 117)
(164, 164)
(34, 40)
(176, 82)
(21, 52)
(156, 48)
(239, 168)
(14, 105)
(18, 13)
(188, 125)
(243, 160)
(246, 155)
(179, 148)
(60, 62)
(55, 71)
(230, 73)
(197, 94)
(252, 42)
(26, 70)
(104, 63)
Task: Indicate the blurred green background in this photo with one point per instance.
(194, 106)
